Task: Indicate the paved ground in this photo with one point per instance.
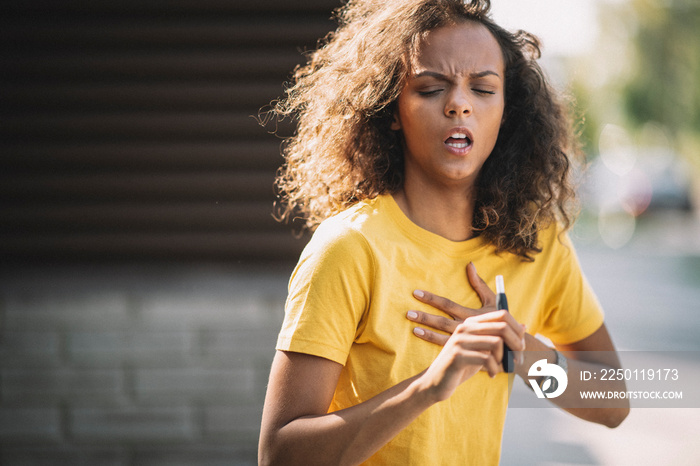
(166, 365)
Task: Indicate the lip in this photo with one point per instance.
(459, 150)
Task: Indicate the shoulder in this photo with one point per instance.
(344, 238)
(337, 256)
(572, 311)
(555, 240)
(345, 230)
(557, 257)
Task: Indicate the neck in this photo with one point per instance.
(445, 212)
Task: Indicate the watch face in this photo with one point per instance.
(549, 384)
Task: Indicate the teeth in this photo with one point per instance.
(458, 140)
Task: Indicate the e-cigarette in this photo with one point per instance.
(502, 303)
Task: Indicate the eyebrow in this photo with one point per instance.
(436, 75)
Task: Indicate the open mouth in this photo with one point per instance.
(459, 141)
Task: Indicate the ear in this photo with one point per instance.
(395, 123)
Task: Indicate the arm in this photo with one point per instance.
(599, 347)
(297, 429)
(593, 353)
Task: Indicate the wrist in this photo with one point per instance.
(535, 350)
(561, 361)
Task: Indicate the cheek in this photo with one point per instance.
(407, 121)
(495, 120)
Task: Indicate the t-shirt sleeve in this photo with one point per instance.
(573, 310)
(329, 294)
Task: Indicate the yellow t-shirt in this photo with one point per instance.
(349, 295)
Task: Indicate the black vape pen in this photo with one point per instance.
(502, 303)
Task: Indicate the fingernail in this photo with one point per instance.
(412, 314)
(419, 331)
(473, 265)
(418, 294)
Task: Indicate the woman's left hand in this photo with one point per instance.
(459, 313)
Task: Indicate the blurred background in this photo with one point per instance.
(143, 276)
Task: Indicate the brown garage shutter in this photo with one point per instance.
(128, 131)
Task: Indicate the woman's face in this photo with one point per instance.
(451, 106)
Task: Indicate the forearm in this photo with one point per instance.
(607, 412)
(349, 436)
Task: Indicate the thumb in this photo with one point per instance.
(488, 298)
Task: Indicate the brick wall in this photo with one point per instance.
(129, 365)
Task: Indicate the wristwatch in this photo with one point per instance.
(560, 360)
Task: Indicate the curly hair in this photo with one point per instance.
(343, 101)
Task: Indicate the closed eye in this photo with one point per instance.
(484, 91)
(430, 92)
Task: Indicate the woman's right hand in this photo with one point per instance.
(475, 343)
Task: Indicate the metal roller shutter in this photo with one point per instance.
(127, 128)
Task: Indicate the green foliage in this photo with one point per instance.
(664, 86)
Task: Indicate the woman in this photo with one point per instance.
(428, 142)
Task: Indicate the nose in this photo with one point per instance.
(458, 103)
